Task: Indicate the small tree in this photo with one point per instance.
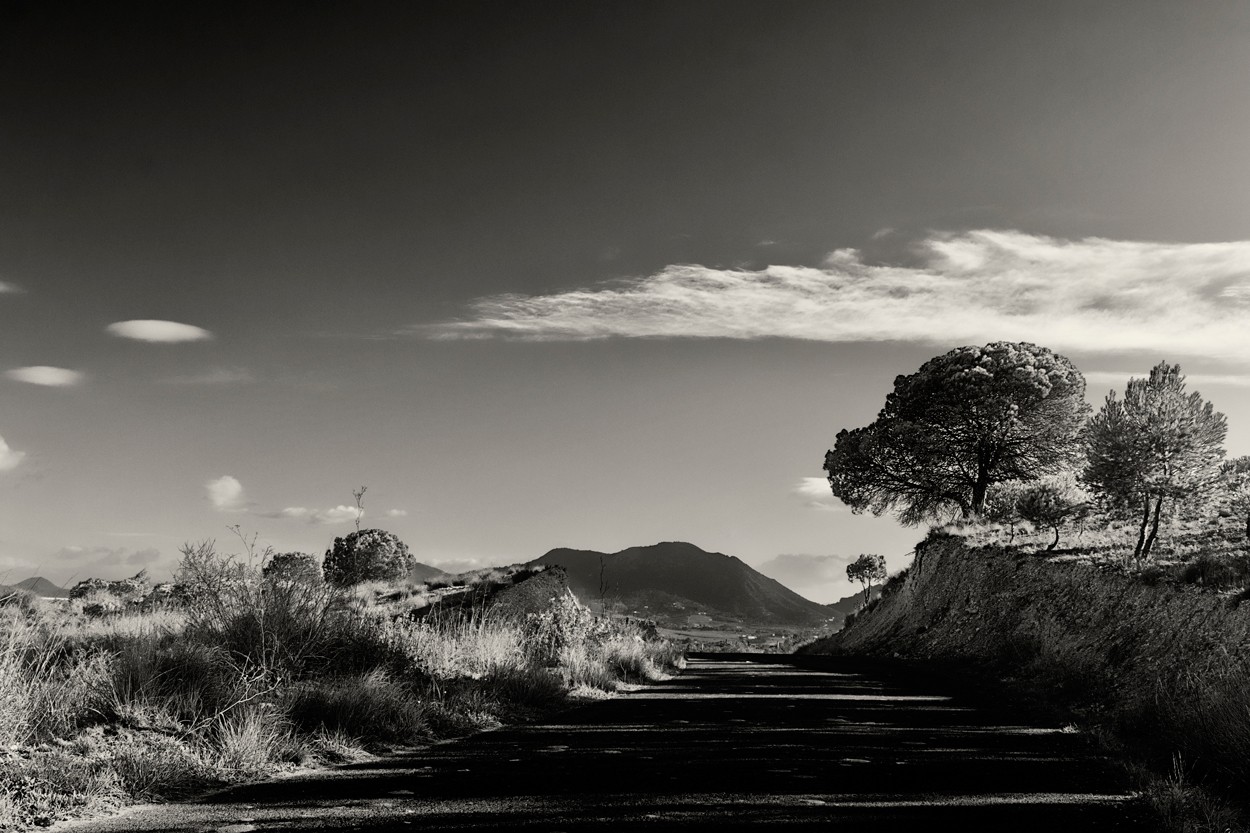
(298, 567)
(1157, 445)
(1002, 504)
(868, 569)
(1053, 502)
(367, 555)
(1235, 491)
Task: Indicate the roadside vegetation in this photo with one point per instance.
(997, 445)
(250, 664)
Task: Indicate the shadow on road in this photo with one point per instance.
(738, 740)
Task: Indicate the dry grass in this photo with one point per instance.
(108, 703)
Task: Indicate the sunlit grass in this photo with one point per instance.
(119, 703)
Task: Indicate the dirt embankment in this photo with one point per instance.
(1163, 669)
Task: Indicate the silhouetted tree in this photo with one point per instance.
(964, 421)
(868, 570)
(1158, 444)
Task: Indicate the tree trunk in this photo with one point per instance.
(1154, 528)
(1055, 542)
(1141, 532)
(866, 588)
(979, 490)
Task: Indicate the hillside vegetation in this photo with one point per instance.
(240, 671)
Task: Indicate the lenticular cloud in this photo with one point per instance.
(1093, 294)
(165, 332)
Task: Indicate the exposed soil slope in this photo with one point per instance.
(1163, 667)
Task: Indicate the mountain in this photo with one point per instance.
(674, 580)
(846, 606)
(40, 586)
(424, 572)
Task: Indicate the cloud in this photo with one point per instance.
(1193, 381)
(56, 377)
(819, 577)
(1092, 294)
(225, 493)
(454, 566)
(164, 332)
(9, 288)
(218, 376)
(9, 459)
(336, 515)
(396, 513)
(807, 569)
(87, 559)
(816, 494)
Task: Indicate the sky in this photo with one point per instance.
(584, 275)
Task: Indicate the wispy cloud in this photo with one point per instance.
(54, 377)
(335, 515)
(217, 376)
(163, 332)
(9, 288)
(9, 459)
(1092, 294)
(1193, 381)
(815, 493)
(226, 494)
(85, 560)
(396, 513)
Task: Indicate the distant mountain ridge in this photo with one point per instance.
(40, 586)
(675, 579)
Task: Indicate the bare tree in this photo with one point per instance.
(359, 495)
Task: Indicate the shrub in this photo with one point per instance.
(369, 706)
(894, 583)
(299, 567)
(1211, 571)
(367, 555)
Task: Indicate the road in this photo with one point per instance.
(734, 741)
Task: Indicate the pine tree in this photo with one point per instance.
(1157, 447)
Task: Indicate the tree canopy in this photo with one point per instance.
(964, 421)
(1157, 445)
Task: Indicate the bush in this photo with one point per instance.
(1215, 572)
(894, 583)
(367, 555)
(370, 706)
(297, 567)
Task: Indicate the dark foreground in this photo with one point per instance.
(735, 741)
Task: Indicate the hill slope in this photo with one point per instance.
(424, 572)
(675, 579)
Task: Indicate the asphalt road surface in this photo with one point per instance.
(734, 742)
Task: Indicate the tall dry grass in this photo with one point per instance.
(115, 703)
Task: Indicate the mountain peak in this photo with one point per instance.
(682, 576)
